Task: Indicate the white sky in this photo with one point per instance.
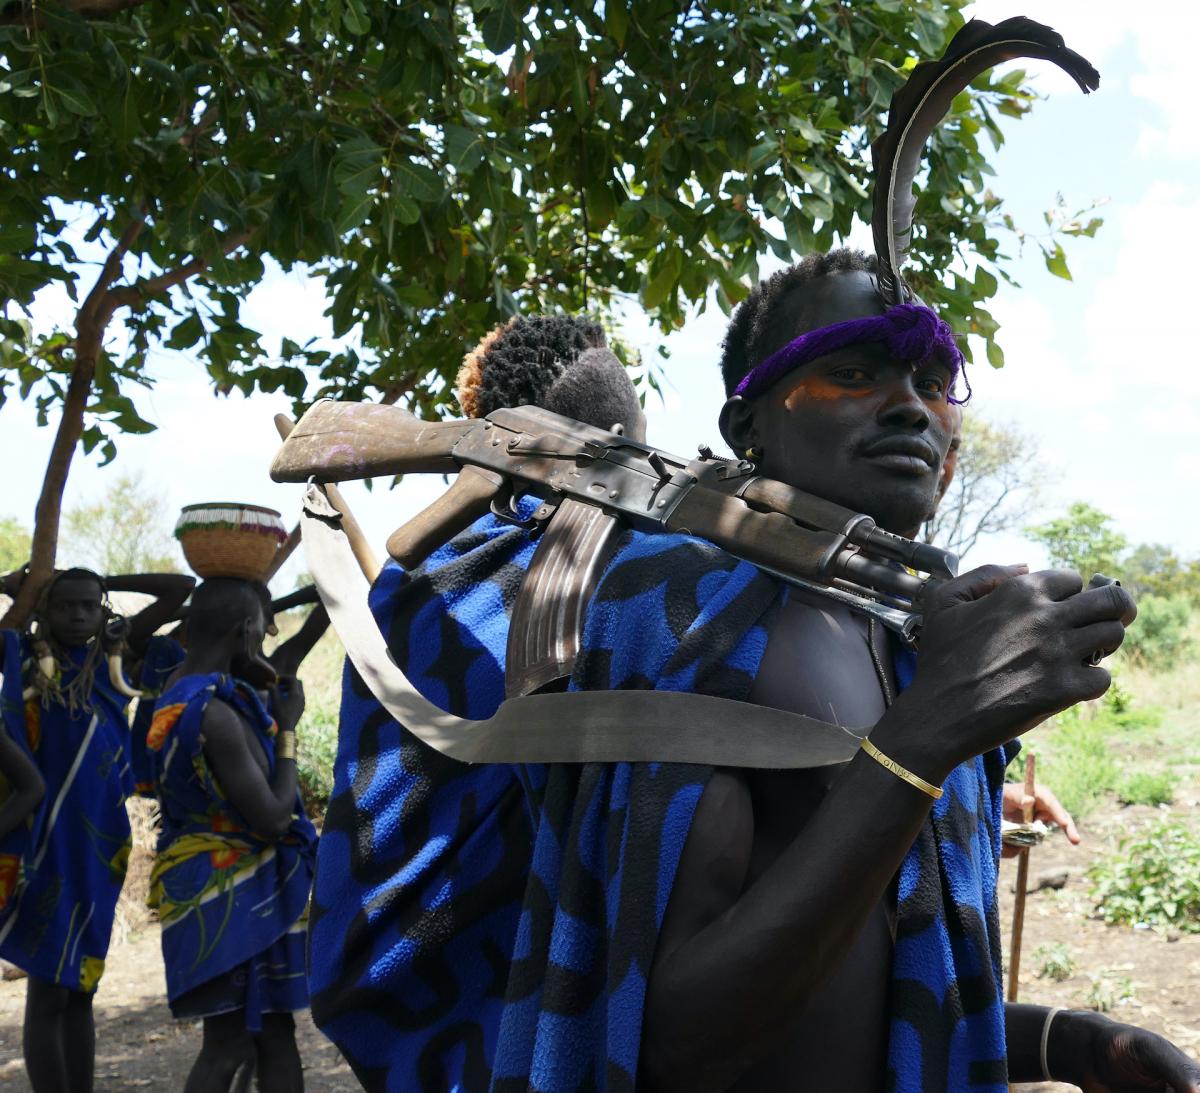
(1102, 371)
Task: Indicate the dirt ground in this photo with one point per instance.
(1164, 969)
(138, 1045)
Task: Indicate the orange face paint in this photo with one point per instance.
(820, 389)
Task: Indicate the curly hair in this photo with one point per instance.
(748, 339)
(559, 362)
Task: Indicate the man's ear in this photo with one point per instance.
(739, 426)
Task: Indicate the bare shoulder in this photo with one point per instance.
(221, 724)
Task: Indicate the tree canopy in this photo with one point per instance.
(441, 166)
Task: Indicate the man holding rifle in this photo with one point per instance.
(794, 893)
(804, 939)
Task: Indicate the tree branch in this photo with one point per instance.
(92, 305)
(137, 293)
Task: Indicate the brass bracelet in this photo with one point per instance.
(907, 775)
(285, 745)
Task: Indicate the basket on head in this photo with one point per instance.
(224, 539)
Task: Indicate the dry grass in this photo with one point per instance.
(132, 912)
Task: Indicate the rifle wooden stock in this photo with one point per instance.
(339, 441)
(468, 498)
(367, 561)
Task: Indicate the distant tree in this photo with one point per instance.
(996, 485)
(1153, 569)
(127, 531)
(1083, 539)
(14, 544)
(441, 166)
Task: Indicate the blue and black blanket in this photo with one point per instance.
(491, 928)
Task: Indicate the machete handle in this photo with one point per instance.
(338, 441)
(469, 497)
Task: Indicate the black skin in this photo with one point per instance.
(59, 1034)
(774, 950)
(240, 766)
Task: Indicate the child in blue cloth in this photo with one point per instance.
(62, 872)
(234, 867)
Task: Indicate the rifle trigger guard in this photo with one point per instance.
(502, 509)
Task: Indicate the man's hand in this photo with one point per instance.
(1046, 807)
(1104, 1056)
(1002, 649)
(287, 702)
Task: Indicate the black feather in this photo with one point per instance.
(920, 105)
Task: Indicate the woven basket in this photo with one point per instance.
(221, 539)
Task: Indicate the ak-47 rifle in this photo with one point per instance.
(593, 483)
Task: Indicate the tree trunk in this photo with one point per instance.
(91, 322)
(49, 506)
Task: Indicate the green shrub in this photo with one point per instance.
(1107, 991)
(1054, 962)
(1144, 788)
(1154, 878)
(1158, 640)
(316, 750)
(1074, 759)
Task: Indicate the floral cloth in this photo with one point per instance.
(224, 895)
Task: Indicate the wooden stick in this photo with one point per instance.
(1018, 927)
(285, 551)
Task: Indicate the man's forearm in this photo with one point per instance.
(723, 999)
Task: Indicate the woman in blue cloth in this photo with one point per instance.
(154, 660)
(234, 866)
(66, 868)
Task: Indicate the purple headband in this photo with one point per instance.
(911, 332)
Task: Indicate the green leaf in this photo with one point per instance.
(187, 333)
(616, 21)
(985, 284)
(1056, 262)
(357, 166)
(995, 354)
(416, 181)
(664, 281)
(355, 209)
(464, 148)
(499, 28)
(355, 18)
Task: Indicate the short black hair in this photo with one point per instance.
(220, 603)
(559, 362)
(748, 339)
(75, 573)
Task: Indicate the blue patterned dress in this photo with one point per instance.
(492, 928)
(68, 864)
